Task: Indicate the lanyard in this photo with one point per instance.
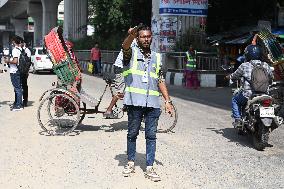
(145, 77)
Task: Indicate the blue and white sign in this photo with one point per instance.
(184, 7)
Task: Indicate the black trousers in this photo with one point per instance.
(24, 82)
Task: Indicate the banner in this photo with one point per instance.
(168, 33)
(184, 7)
(165, 31)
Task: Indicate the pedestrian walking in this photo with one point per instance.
(96, 59)
(15, 74)
(143, 79)
(24, 76)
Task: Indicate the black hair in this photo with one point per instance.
(17, 39)
(143, 27)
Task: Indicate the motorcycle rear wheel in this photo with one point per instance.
(260, 137)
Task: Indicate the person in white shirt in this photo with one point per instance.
(119, 84)
(24, 77)
(15, 74)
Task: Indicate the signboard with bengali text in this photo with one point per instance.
(165, 31)
(184, 7)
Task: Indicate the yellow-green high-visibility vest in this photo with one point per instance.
(191, 61)
(137, 91)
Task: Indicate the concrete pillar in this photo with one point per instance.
(75, 19)
(20, 26)
(49, 15)
(5, 39)
(35, 11)
(156, 18)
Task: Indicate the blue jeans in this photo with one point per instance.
(238, 101)
(97, 66)
(135, 116)
(16, 82)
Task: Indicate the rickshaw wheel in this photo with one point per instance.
(58, 114)
(166, 122)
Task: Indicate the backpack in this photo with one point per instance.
(24, 62)
(259, 78)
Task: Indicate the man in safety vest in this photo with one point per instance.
(143, 79)
(190, 74)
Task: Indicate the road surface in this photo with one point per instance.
(204, 151)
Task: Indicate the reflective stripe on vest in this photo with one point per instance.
(141, 91)
(134, 70)
(191, 62)
(191, 65)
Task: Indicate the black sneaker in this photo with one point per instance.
(25, 104)
(238, 124)
(12, 105)
(14, 109)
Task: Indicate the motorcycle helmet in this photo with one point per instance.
(252, 52)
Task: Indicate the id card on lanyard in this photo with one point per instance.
(145, 77)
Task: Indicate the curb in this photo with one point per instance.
(206, 79)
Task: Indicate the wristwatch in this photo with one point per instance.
(168, 101)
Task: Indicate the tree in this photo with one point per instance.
(112, 18)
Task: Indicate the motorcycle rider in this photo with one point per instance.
(253, 57)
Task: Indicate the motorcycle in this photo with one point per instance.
(260, 116)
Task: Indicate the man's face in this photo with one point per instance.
(145, 38)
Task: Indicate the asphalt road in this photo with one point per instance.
(203, 152)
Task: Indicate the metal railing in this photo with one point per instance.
(205, 61)
(108, 57)
(174, 60)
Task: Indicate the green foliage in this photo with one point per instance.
(113, 42)
(112, 18)
(84, 44)
(109, 16)
(183, 43)
(194, 38)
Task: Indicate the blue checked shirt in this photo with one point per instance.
(244, 71)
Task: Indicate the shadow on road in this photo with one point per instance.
(140, 160)
(5, 103)
(10, 103)
(233, 136)
(119, 126)
(215, 97)
(44, 72)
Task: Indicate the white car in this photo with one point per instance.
(40, 61)
(6, 52)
